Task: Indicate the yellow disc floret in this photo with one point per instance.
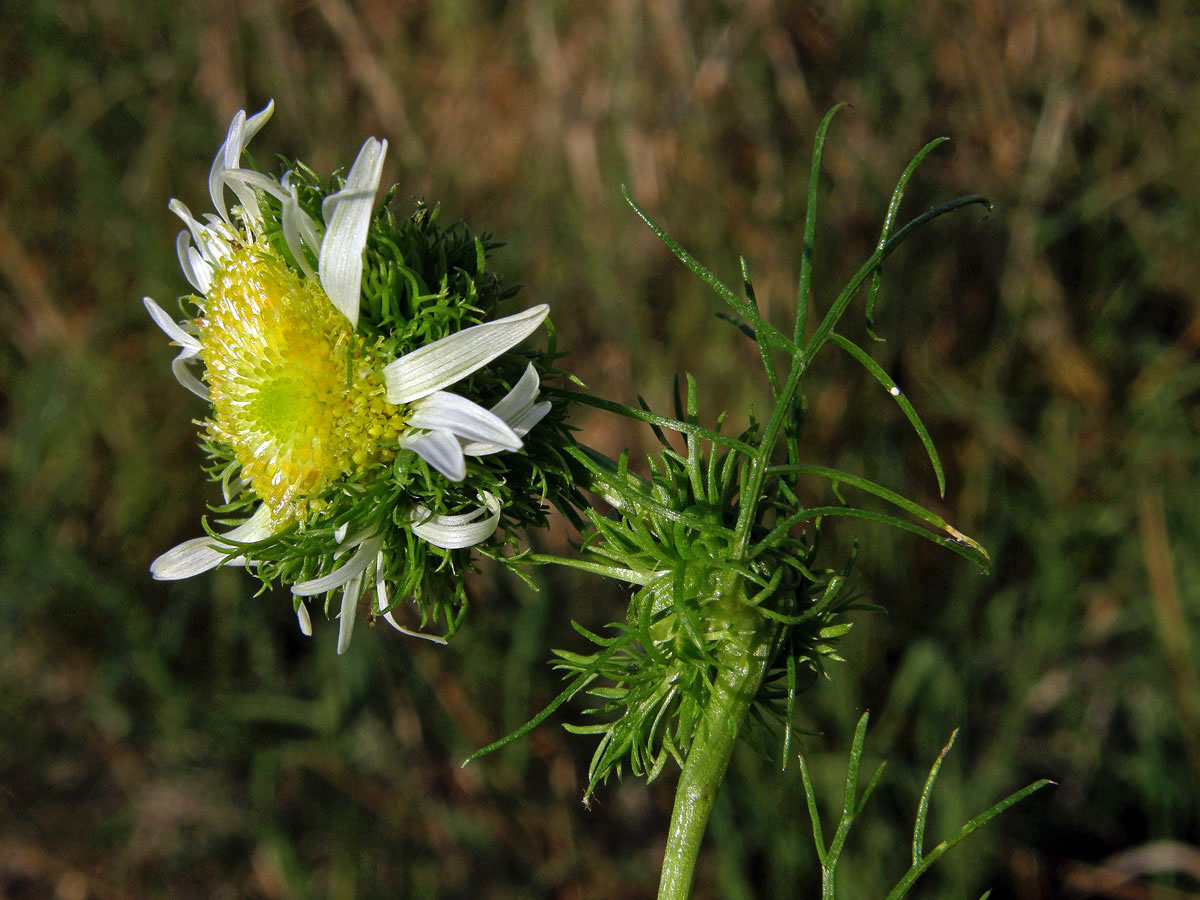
(298, 402)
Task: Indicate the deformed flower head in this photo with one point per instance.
(327, 385)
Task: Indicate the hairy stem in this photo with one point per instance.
(741, 666)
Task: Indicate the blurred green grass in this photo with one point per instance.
(181, 740)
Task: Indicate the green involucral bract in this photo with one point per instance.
(651, 680)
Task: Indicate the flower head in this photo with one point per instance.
(344, 351)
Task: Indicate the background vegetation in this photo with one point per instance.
(183, 740)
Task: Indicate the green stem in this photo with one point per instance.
(741, 666)
(748, 503)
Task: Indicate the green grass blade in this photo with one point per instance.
(814, 814)
(652, 418)
(969, 551)
(617, 573)
(695, 476)
(789, 710)
(577, 684)
(911, 876)
(810, 227)
(769, 332)
(737, 323)
(918, 841)
(871, 487)
(849, 805)
(835, 313)
(871, 785)
(890, 220)
(764, 349)
(902, 401)
(629, 497)
(931, 214)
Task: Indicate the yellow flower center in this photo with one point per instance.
(297, 405)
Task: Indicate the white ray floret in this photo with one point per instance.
(458, 531)
(447, 427)
(364, 550)
(441, 450)
(203, 553)
(442, 363)
(518, 409)
(298, 228)
(349, 577)
(188, 342)
(347, 217)
(381, 593)
(229, 157)
(303, 617)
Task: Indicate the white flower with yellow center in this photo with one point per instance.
(299, 398)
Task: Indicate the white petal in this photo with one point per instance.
(522, 395)
(298, 229)
(356, 565)
(457, 532)
(524, 423)
(518, 410)
(189, 343)
(381, 592)
(211, 243)
(179, 367)
(443, 411)
(437, 639)
(255, 123)
(184, 249)
(442, 363)
(453, 521)
(347, 218)
(247, 199)
(201, 269)
(304, 618)
(521, 427)
(380, 583)
(196, 228)
(440, 450)
(172, 328)
(229, 155)
(232, 487)
(361, 180)
(204, 553)
(349, 608)
(233, 139)
(245, 182)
